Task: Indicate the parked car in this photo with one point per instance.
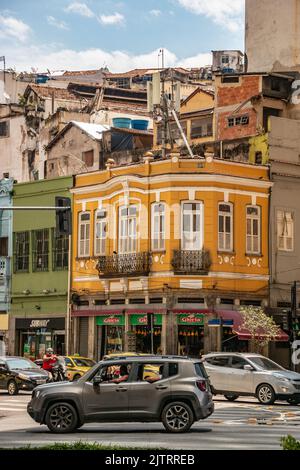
(247, 374)
(179, 397)
(18, 373)
(77, 366)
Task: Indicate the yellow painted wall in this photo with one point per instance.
(259, 143)
(89, 191)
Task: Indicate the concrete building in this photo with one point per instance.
(228, 61)
(273, 35)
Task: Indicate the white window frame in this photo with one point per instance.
(158, 219)
(100, 241)
(253, 218)
(84, 243)
(197, 244)
(128, 230)
(286, 219)
(222, 236)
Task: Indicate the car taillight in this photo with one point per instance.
(202, 385)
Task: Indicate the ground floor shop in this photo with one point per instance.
(97, 333)
(32, 336)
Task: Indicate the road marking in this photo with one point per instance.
(11, 409)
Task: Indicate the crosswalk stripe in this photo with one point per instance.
(11, 409)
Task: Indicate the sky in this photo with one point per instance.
(59, 35)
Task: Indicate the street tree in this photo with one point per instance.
(261, 327)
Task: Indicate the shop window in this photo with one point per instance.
(128, 230)
(117, 301)
(60, 251)
(225, 235)
(21, 251)
(253, 223)
(285, 230)
(158, 226)
(150, 372)
(40, 250)
(137, 301)
(190, 300)
(4, 129)
(88, 158)
(99, 302)
(100, 232)
(192, 227)
(227, 301)
(84, 234)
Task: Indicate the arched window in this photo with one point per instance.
(84, 230)
(253, 235)
(225, 230)
(100, 232)
(158, 226)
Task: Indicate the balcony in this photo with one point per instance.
(133, 264)
(191, 262)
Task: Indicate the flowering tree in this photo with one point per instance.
(261, 327)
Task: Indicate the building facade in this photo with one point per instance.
(6, 188)
(39, 284)
(185, 240)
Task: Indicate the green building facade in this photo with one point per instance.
(39, 284)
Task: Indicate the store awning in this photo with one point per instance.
(243, 333)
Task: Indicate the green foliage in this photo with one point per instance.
(290, 443)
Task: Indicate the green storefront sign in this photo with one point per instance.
(111, 320)
(142, 320)
(193, 319)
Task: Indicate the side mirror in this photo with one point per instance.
(248, 367)
(97, 381)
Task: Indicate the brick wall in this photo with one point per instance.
(227, 133)
(230, 94)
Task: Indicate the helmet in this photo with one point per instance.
(49, 351)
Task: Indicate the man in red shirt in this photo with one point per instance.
(49, 360)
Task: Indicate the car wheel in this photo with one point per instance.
(231, 397)
(76, 377)
(61, 418)
(293, 401)
(12, 388)
(177, 417)
(265, 394)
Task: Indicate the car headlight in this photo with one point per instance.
(23, 377)
(284, 379)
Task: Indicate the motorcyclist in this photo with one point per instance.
(49, 360)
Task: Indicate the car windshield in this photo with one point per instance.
(84, 362)
(23, 364)
(264, 363)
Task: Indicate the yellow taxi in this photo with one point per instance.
(77, 366)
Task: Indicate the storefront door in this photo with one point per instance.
(111, 334)
(190, 334)
(142, 331)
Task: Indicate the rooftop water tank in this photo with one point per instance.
(140, 124)
(122, 123)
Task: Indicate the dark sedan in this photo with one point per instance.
(18, 373)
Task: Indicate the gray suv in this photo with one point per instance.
(170, 389)
(249, 374)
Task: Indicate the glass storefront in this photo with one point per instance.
(111, 334)
(142, 331)
(36, 335)
(190, 334)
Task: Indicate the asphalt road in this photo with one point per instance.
(241, 425)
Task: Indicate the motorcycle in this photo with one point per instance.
(59, 371)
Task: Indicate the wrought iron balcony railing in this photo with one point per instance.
(133, 264)
(191, 262)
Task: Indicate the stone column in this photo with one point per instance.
(91, 337)
(12, 336)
